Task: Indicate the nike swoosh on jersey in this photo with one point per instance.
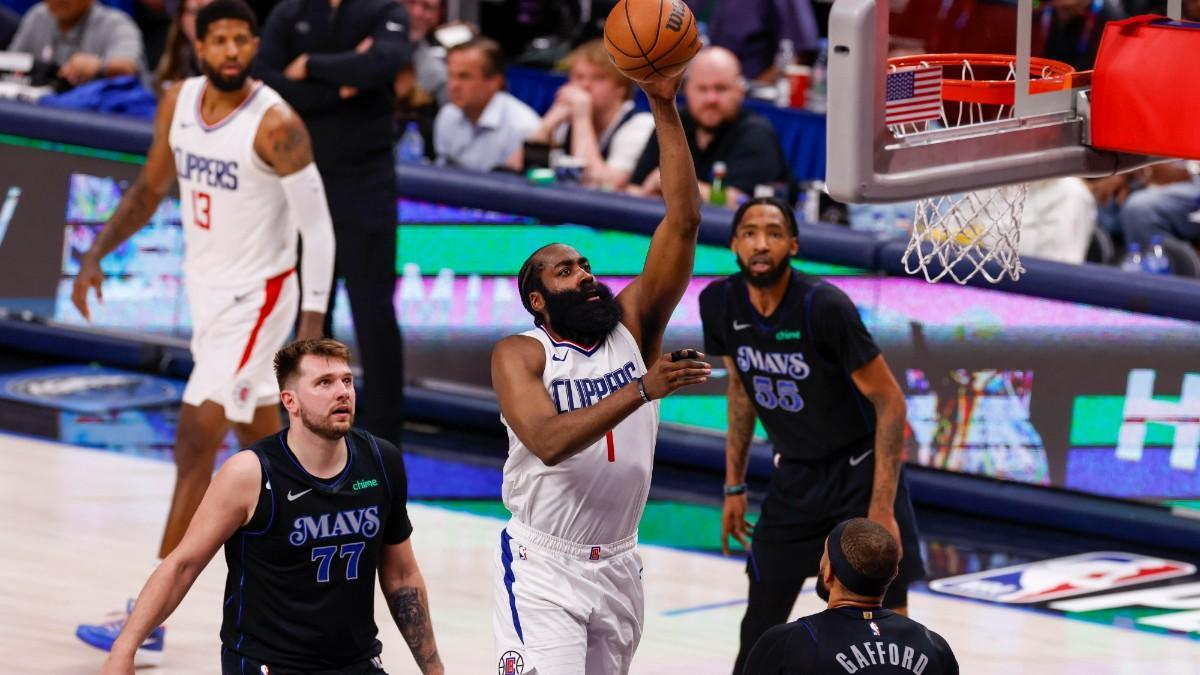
(855, 461)
(298, 495)
(556, 357)
(393, 26)
(740, 326)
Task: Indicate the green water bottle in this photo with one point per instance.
(716, 196)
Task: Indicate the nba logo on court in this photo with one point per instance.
(1062, 577)
(595, 553)
(511, 663)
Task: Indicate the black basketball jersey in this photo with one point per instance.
(301, 586)
(851, 640)
(795, 364)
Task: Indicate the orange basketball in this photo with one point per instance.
(651, 39)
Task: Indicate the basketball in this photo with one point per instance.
(651, 39)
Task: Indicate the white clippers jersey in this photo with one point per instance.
(236, 229)
(596, 496)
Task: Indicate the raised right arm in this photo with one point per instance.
(136, 206)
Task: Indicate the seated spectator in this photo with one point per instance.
(1071, 29)
(593, 119)
(428, 58)
(482, 127)
(1058, 220)
(8, 26)
(1169, 205)
(80, 40)
(179, 61)
(753, 29)
(720, 130)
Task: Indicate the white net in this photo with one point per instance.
(973, 234)
(961, 236)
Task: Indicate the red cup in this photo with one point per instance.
(798, 78)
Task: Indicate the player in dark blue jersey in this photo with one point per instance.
(800, 359)
(307, 516)
(855, 633)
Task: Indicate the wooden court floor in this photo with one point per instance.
(79, 529)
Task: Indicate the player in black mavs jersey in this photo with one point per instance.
(855, 633)
(307, 517)
(800, 359)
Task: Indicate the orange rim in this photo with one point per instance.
(1044, 75)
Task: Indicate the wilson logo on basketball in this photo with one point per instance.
(675, 20)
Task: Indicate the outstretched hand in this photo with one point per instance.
(663, 89)
(675, 370)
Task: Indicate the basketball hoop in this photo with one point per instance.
(978, 232)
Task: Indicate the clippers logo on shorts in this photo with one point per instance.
(570, 394)
(327, 525)
(214, 173)
(1062, 577)
(512, 663)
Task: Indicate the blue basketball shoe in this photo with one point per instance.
(103, 635)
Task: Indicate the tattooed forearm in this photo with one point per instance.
(410, 610)
(889, 449)
(136, 206)
(741, 431)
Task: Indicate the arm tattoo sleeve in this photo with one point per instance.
(410, 610)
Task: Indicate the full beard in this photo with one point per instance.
(325, 427)
(226, 84)
(822, 589)
(764, 279)
(578, 319)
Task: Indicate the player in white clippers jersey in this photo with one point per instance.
(248, 187)
(581, 409)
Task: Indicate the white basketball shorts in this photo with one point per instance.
(235, 334)
(562, 608)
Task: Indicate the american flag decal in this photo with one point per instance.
(914, 95)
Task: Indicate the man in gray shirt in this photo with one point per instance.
(82, 39)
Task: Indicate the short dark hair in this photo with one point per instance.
(870, 549)
(218, 10)
(529, 279)
(788, 213)
(493, 54)
(287, 360)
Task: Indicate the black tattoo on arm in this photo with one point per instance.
(136, 206)
(286, 146)
(410, 610)
(889, 450)
(741, 428)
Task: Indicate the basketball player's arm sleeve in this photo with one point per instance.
(376, 67)
(306, 97)
(308, 208)
(399, 526)
(839, 329)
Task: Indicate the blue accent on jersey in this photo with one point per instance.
(509, 578)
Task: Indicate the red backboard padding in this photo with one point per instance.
(1146, 88)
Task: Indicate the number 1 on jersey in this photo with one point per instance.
(202, 209)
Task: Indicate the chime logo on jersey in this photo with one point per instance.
(354, 521)
(789, 364)
(1062, 577)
